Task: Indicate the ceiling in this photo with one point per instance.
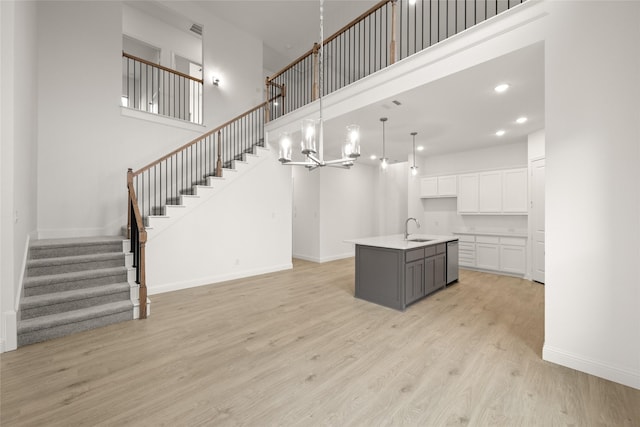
(288, 28)
(457, 113)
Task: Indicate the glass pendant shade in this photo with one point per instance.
(383, 163)
(285, 148)
(351, 147)
(309, 136)
(414, 170)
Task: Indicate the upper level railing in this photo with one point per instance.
(160, 90)
(388, 32)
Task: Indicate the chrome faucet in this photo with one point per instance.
(406, 227)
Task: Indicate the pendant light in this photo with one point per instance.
(384, 162)
(414, 168)
(312, 144)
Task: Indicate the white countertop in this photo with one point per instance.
(397, 241)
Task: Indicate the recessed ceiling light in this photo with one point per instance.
(500, 132)
(501, 87)
(521, 120)
(373, 157)
(419, 148)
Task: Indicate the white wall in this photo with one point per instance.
(535, 145)
(83, 139)
(329, 206)
(439, 216)
(243, 230)
(347, 209)
(392, 198)
(171, 40)
(19, 97)
(592, 298)
(306, 213)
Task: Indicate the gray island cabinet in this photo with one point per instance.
(395, 273)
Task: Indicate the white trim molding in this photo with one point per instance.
(176, 286)
(591, 366)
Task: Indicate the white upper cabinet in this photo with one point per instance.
(448, 186)
(490, 192)
(468, 193)
(439, 186)
(429, 187)
(514, 191)
(493, 192)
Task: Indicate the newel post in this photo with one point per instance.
(219, 162)
(129, 187)
(392, 44)
(267, 107)
(143, 276)
(316, 72)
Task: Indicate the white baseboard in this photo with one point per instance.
(324, 259)
(306, 258)
(591, 366)
(176, 286)
(10, 331)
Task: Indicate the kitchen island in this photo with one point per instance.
(395, 272)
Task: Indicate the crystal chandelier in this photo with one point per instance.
(312, 144)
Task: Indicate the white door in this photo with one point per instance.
(537, 218)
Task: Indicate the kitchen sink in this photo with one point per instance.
(420, 240)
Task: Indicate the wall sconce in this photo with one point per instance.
(216, 81)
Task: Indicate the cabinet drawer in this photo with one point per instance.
(488, 239)
(429, 251)
(467, 262)
(467, 246)
(441, 248)
(515, 241)
(466, 238)
(414, 255)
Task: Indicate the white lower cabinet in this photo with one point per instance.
(488, 252)
(496, 253)
(513, 255)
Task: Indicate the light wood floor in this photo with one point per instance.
(297, 349)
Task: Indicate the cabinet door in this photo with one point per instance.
(429, 275)
(440, 271)
(429, 187)
(490, 192)
(468, 193)
(513, 259)
(488, 256)
(514, 191)
(414, 281)
(448, 186)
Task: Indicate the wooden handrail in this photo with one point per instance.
(201, 137)
(161, 67)
(353, 22)
(335, 35)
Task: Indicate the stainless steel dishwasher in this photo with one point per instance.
(452, 261)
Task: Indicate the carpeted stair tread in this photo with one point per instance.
(49, 248)
(68, 264)
(74, 295)
(74, 276)
(75, 316)
(75, 241)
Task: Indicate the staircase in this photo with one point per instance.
(73, 285)
(201, 191)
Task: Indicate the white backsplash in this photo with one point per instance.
(440, 217)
